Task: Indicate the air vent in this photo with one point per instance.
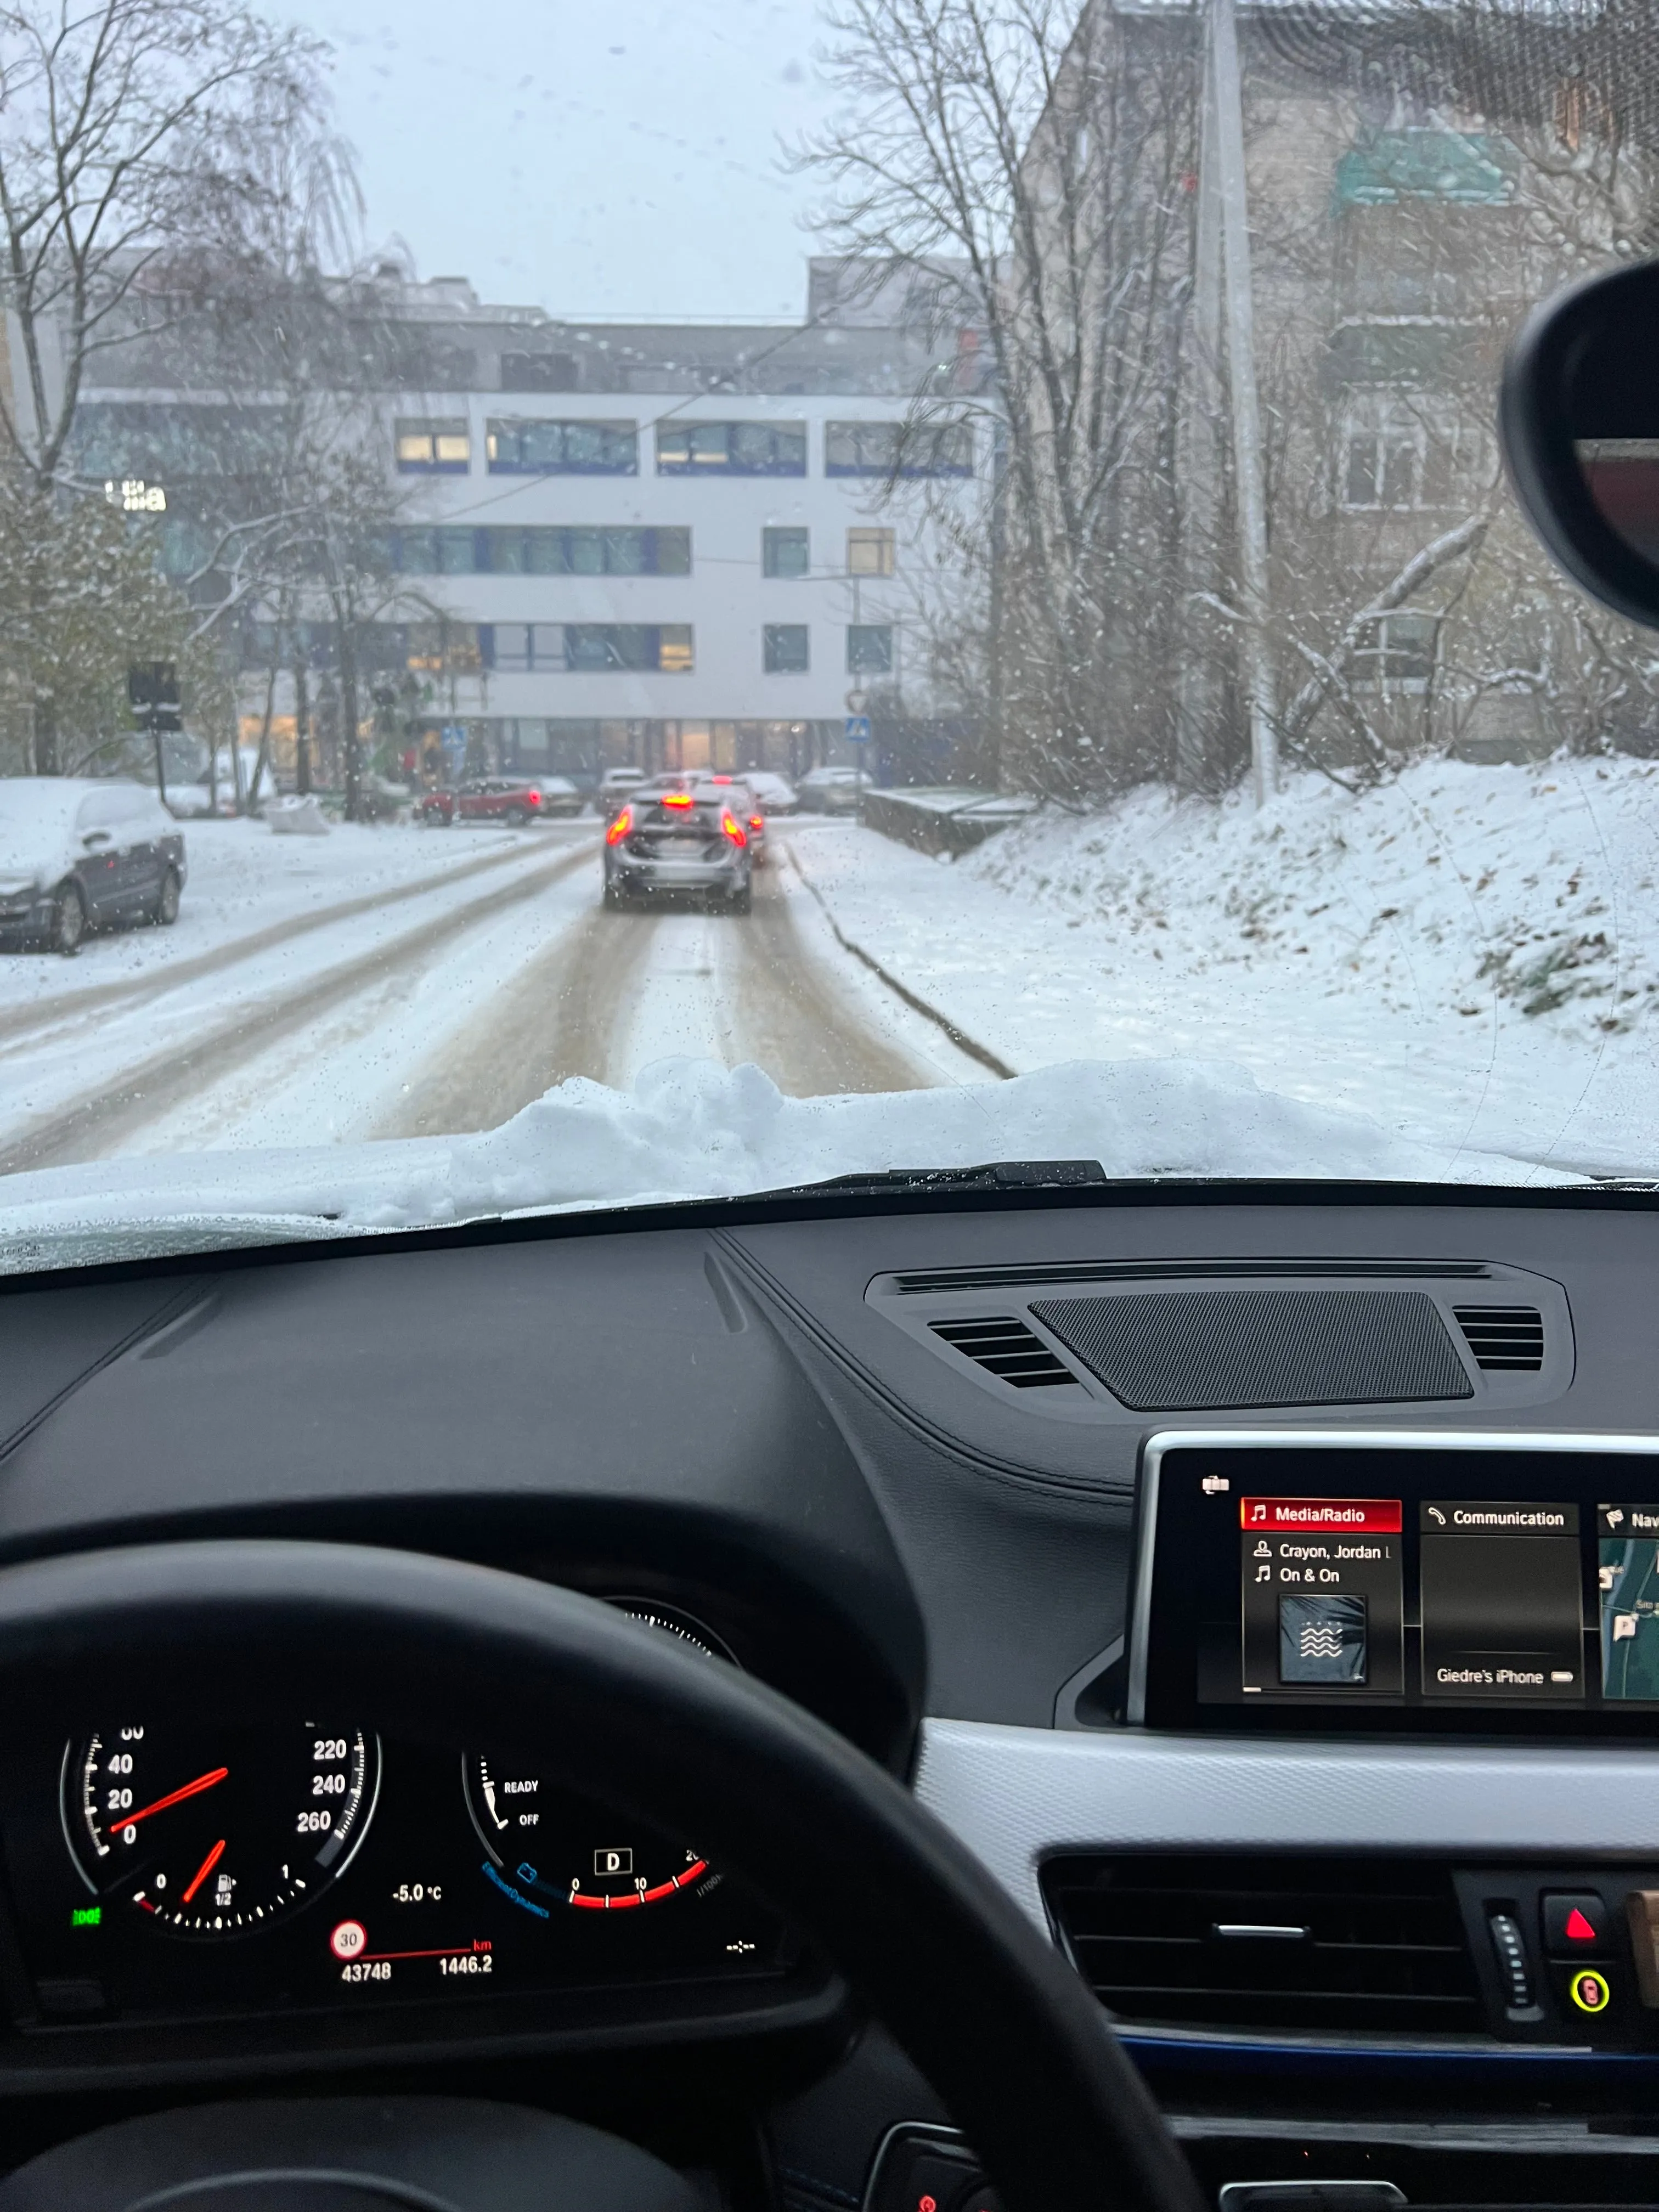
(1318, 1946)
(1169, 1350)
(1007, 1349)
(1504, 1340)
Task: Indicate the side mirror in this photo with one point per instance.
(1579, 421)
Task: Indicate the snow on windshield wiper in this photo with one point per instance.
(989, 1175)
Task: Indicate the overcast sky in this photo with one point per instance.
(594, 157)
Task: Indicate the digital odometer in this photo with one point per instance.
(211, 1833)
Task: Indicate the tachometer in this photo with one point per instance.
(216, 1832)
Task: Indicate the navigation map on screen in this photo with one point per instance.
(1627, 1577)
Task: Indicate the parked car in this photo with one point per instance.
(739, 792)
(514, 799)
(77, 854)
(560, 797)
(688, 841)
(613, 787)
(830, 790)
(775, 793)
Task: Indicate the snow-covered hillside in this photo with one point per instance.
(1432, 895)
(1470, 955)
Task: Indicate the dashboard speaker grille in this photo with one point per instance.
(1008, 1349)
(1504, 1340)
(1320, 1945)
(1170, 1351)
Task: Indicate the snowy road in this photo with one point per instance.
(461, 986)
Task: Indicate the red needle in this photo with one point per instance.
(175, 1797)
(205, 1869)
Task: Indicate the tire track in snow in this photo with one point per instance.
(168, 1080)
(39, 1015)
(623, 988)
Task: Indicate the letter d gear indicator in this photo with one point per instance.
(548, 1849)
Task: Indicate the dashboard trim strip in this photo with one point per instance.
(1019, 1796)
(1371, 1439)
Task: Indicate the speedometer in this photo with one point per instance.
(216, 1832)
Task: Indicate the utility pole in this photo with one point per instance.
(1201, 457)
(1249, 488)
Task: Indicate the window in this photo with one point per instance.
(443, 448)
(1397, 454)
(533, 551)
(586, 648)
(869, 649)
(898, 449)
(731, 449)
(869, 552)
(1396, 652)
(783, 649)
(528, 448)
(784, 552)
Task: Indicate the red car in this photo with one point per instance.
(487, 799)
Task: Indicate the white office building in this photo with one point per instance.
(677, 545)
(668, 545)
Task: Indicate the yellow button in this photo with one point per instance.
(1589, 1991)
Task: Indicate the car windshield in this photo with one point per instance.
(1052, 472)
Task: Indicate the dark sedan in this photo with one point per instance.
(78, 855)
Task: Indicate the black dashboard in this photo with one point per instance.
(973, 1482)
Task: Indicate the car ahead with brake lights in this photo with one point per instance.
(692, 844)
(739, 792)
(498, 799)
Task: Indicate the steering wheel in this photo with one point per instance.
(1007, 2034)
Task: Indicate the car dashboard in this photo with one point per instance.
(1263, 1582)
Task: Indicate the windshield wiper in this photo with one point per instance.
(990, 1175)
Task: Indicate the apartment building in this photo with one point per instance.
(1415, 180)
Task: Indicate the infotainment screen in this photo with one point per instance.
(1356, 1586)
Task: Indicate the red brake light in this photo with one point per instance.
(535, 797)
(728, 823)
(676, 798)
(720, 778)
(757, 821)
(620, 828)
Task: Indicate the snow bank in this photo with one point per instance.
(690, 1129)
(1471, 953)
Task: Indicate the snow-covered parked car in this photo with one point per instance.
(775, 794)
(77, 855)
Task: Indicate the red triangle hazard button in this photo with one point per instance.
(1578, 1929)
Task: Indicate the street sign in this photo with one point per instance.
(858, 729)
(153, 695)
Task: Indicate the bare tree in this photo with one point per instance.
(126, 131)
(1039, 152)
(126, 127)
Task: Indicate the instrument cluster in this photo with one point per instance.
(168, 1867)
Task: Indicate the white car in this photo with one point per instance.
(775, 794)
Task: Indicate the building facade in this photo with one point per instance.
(664, 545)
